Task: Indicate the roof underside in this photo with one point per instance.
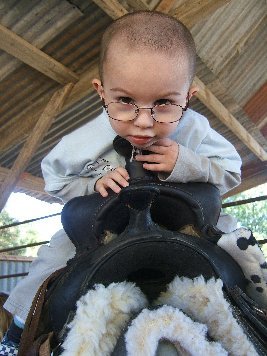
(47, 44)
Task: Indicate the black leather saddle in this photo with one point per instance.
(136, 236)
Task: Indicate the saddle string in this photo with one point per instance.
(135, 151)
(32, 321)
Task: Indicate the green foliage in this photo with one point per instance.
(251, 215)
(15, 235)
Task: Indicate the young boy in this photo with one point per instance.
(147, 65)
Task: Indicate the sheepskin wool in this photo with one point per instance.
(243, 247)
(101, 315)
(185, 313)
(205, 303)
(150, 326)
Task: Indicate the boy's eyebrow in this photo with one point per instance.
(171, 93)
(121, 90)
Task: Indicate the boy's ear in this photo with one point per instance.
(98, 87)
(192, 91)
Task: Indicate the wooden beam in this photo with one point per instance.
(26, 121)
(83, 87)
(62, 16)
(10, 136)
(262, 123)
(30, 185)
(221, 112)
(112, 8)
(190, 13)
(138, 5)
(26, 181)
(165, 6)
(248, 183)
(16, 46)
(33, 141)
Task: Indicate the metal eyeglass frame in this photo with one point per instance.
(137, 110)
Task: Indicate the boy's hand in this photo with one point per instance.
(163, 157)
(113, 180)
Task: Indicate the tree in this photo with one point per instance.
(251, 215)
(14, 236)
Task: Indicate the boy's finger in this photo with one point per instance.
(156, 149)
(156, 167)
(102, 191)
(110, 183)
(156, 158)
(118, 178)
(163, 142)
(123, 172)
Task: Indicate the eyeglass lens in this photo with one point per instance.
(161, 113)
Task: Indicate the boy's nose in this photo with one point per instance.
(144, 118)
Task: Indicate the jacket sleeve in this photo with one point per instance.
(192, 167)
(205, 156)
(74, 165)
(78, 186)
(65, 177)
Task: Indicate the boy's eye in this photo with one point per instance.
(125, 100)
(163, 102)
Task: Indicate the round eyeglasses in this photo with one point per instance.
(165, 113)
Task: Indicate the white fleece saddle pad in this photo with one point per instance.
(185, 314)
(191, 318)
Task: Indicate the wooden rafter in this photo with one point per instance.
(138, 4)
(111, 7)
(222, 113)
(197, 11)
(10, 135)
(165, 6)
(29, 184)
(16, 46)
(83, 87)
(33, 141)
(249, 182)
(26, 181)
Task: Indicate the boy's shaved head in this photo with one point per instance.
(153, 31)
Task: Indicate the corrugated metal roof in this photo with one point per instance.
(37, 22)
(232, 43)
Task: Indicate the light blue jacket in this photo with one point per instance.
(82, 157)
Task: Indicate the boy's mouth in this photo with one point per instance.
(139, 140)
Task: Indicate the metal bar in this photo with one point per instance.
(14, 275)
(245, 201)
(27, 221)
(23, 246)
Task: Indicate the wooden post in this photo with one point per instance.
(33, 141)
